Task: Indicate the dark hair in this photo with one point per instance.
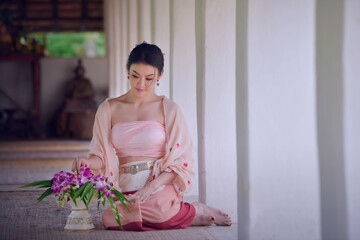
(148, 54)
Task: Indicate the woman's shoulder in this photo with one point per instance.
(168, 102)
(105, 104)
(116, 102)
(108, 105)
(171, 106)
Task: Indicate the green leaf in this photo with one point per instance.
(91, 195)
(123, 197)
(79, 191)
(43, 183)
(72, 194)
(87, 189)
(98, 203)
(115, 211)
(43, 186)
(120, 196)
(44, 195)
(73, 199)
(103, 202)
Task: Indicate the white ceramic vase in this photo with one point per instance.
(79, 218)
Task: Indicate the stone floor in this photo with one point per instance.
(21, 218)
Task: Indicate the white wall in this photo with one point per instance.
(283, 168)
(351, 63)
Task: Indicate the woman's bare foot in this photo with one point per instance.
(221, 218)
(202, 220)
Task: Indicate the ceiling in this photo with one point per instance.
(54, 15)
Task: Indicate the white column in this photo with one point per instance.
(161, 37)
(145, 20)
(283, 163)
(114, 28)
(351, 60)
(200, 94)
(183, 67)
(123, 43)
(330, 108)
(242, 115)
(127, 23)
(132, 24)
(219, 105)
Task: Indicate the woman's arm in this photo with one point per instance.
(163, 179)
(178, 157)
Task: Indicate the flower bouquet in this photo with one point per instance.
(81, 186)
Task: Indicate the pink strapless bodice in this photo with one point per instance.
(138, 138)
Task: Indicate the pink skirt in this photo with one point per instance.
(163, 210)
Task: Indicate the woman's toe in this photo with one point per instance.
(208, 220)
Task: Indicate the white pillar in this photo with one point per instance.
(161, 37)
(183, 65)
(242, 123)
(123, 43)
(330, 104)
(115, 28)
(132, 24)
(145, 20)
(351, 60)
(200, 94)
(283, 167)
(218, 106)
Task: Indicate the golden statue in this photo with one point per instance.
(77, 115)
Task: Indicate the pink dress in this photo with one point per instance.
(170, 143)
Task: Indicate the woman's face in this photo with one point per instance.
(143, 77)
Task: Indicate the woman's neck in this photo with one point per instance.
(135, 98)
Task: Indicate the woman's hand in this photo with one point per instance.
(79, 162)
(94, 163)
(143, 194)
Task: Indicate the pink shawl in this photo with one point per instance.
(178, 153)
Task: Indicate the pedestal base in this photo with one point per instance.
(79, 218)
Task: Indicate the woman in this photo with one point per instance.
(141, 142)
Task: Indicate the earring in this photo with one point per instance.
(128, 77)
(157, 84)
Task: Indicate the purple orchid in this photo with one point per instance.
(108, 193)
(100, 184)
(81, 184)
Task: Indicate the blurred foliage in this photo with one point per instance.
(84, 44)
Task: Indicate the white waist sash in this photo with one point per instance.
(132, 182)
